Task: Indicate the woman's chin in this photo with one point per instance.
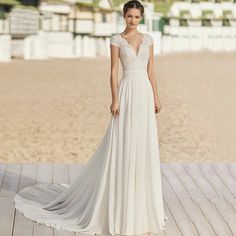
(132, 26)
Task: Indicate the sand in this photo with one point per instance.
(58, 110)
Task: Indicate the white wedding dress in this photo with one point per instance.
(119, 190)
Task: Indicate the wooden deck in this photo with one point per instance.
(199, 198)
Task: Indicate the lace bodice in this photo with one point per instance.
(130, 59)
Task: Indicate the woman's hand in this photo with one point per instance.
(157, 106)
(114, 108)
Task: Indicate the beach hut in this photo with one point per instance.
(5, 9)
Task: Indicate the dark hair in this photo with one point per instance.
(133, 4)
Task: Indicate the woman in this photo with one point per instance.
(119, 190)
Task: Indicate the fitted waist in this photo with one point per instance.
(134, 72)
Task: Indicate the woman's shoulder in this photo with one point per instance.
(115, 35)
(149, 38)
(114, 40)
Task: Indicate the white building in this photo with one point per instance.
(83, 28)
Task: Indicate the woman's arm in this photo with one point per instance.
(152, 78)
(114, 79)
(114, 72)
(151, 72)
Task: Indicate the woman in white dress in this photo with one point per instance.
(119, 190)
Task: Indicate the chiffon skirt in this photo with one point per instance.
(119, 190)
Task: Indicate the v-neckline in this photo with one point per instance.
(139, 47)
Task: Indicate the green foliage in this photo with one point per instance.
(143, 20)
(162, 6)
(118, 2)
(26, 7)
(9, 2)
(54, 1)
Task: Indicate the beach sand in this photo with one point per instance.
(59, 110)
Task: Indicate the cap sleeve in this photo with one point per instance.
(114, 41)
(151, 41)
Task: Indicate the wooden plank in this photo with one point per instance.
(175, 183)
(207, 207)
(224, 173)
(22, 225)
(215, 181)
(232, 168)
(233, 203)
(190, 205)
(227, 212)
(184, 223)
(63, 233)
(11, 180)
(74, 170)
(195, 172)
(199, 220)
(52, 173)
(191, 197)
(28, 175)
(3, 168)
(44, 175)
(172, 228)
(214, 217)
(87, 234)
(60, 173)
(7, 215)
(192, 188)
(42, 230)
